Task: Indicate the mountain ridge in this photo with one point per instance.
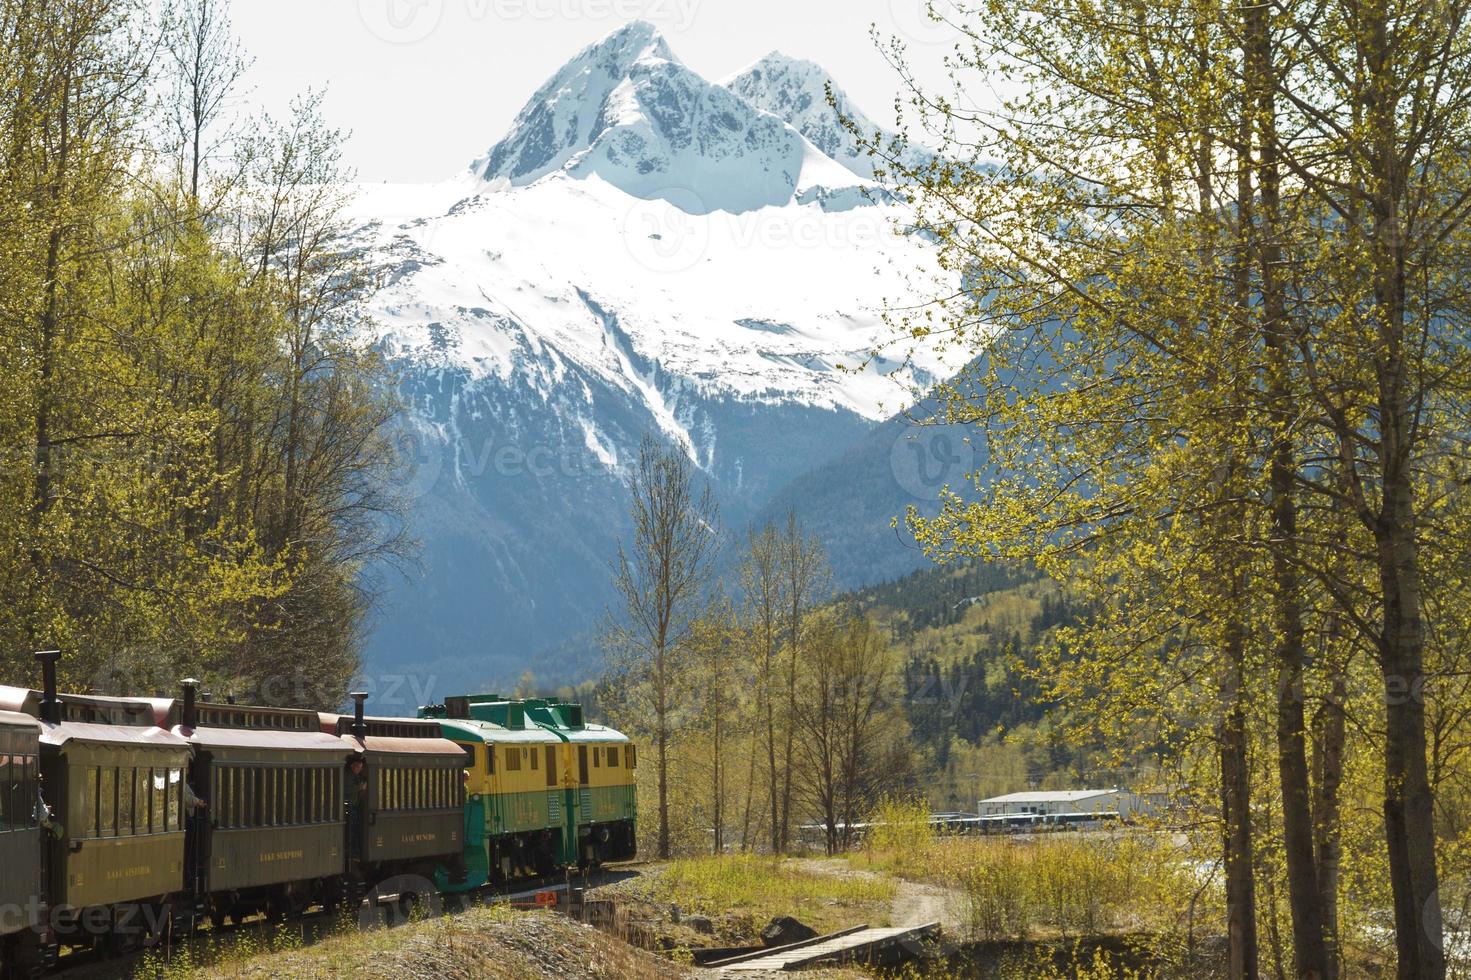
(547, 308)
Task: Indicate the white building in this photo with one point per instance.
(1119, 801)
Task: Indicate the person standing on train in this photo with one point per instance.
(44, 816)
(356, 797)
(192, 803)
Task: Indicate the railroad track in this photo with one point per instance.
(317, 925)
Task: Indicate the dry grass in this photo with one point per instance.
(493, 943)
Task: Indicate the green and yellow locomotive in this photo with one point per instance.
(544, 789)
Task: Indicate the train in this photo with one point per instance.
(123, 820)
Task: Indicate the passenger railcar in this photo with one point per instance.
(114, 784)
(270, 835)
(413, 821)
(22, 908)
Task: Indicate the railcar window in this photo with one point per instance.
(107, 803)
(19, 787)
(628, 757)
(551, 751)
(173, 802)
(11, 800)
(88, 802)
(22, 804)
(293, 796)
(613, 757)
(582, 764)
(534, 759)
(33, 776)
(258, 811)
(9, 795)
(124, 801)
(597, 756)
(490, 760)
(224, 799)
(513, 759)
(158, 800)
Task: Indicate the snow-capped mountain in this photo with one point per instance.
(628, 111)
(795, 91)
(644, 251)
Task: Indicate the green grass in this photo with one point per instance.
(760, 888)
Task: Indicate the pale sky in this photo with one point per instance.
(426, 86)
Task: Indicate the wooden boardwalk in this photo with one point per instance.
(859, 944)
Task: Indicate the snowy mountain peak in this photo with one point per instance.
(796, 91)
(565, 115)
(638, 38)
(628, 111)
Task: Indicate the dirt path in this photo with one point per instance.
(917, 904)
(914, 904)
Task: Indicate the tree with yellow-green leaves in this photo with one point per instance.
(1212, 267)
(196, 433)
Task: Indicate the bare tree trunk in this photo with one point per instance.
(1310, 954)
(1409, 818)
(1241, 927)
(661, 707)
(1328, 751)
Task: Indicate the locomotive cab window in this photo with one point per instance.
(551, 765)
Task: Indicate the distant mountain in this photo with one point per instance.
(851, 500)
(628, 111)
(796, 91)
(644, 251)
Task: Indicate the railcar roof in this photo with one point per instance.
(594, 733)
(14, 719)
(389, 745)
(336, 724)
(265, 738)
(80, 708)
(491, 733)
(128, 736)
(168, 713)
